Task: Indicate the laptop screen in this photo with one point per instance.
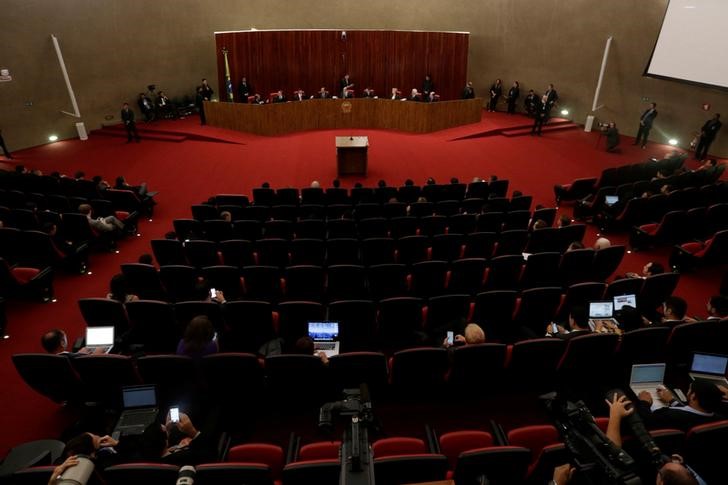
(709, 364)
(319, 331)
(642, 374)
(611, 199)
(601, 309)
(99, 336)
(622, 300)
(139, 396)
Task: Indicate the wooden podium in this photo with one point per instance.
(351, 155)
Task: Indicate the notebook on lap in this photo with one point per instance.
(601, 311)
(100, 338)
(625, 300)
(325, 336)
(140, 410)
(646, 377)
(709, 367)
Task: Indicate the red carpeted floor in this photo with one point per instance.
(212, 160)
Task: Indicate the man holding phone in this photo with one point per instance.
(472, 334)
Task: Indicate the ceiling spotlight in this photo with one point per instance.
(53, 138)
(565, 112)
(672, 141)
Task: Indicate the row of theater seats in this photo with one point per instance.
(310, 225)
(680, 226)
(332, 196)
(592, 361)
(426, 278)
(712, 251)
(406, 250)
(48, 185)
(526, 455)
(393, 323)
(363, 210)
(642, 210)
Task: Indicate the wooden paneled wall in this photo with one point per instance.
(309, 59)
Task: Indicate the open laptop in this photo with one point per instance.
(625, 300)
(325, 337)
(709, 367)
(140, 410)
(601, 311)
(100, 338)
(610, 200)
(646, 377)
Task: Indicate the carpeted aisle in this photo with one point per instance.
(190, 171)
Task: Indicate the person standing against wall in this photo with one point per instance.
(496, 91)
(512, 97)
(646, 120)
(707, 135)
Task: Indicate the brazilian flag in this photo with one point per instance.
(228, 82)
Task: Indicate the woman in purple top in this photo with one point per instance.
(199, 338)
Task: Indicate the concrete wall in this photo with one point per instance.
(113, 49)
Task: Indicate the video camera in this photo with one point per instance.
(357, 463)
(598, 460)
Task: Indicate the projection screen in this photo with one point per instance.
(692, 43)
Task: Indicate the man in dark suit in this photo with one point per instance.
(322, 93)
(146, 107)
(703, 400)
(496, 91)
(512, 97)
(531, 103)
(427, 85)
(543, 111)
(244, 90)
(646, 124)
(469, 91)
(345, 84)
(207, 91)
(127, 117)
(578, 324)
(5, 149)
(552, 96)
(299, 95)
(707, 135)
(200, 103)
(279, 97)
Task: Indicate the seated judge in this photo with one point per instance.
(395, 94)
(257, 99)
(299, 95)
(165, 106)
(279, 97)
(322, 93)
(415, 95)
(368, 93)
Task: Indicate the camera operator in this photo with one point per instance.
(674, 471)
(612, 133)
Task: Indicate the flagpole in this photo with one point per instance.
(228, 81)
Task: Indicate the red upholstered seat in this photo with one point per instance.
(456, 442)
(264, 453)
(24, 275)
(535, 438)
(650, 228)
(121, 215)
(323, 450)
(398, 446)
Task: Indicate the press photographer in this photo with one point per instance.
(610, 131)
(598, 458)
